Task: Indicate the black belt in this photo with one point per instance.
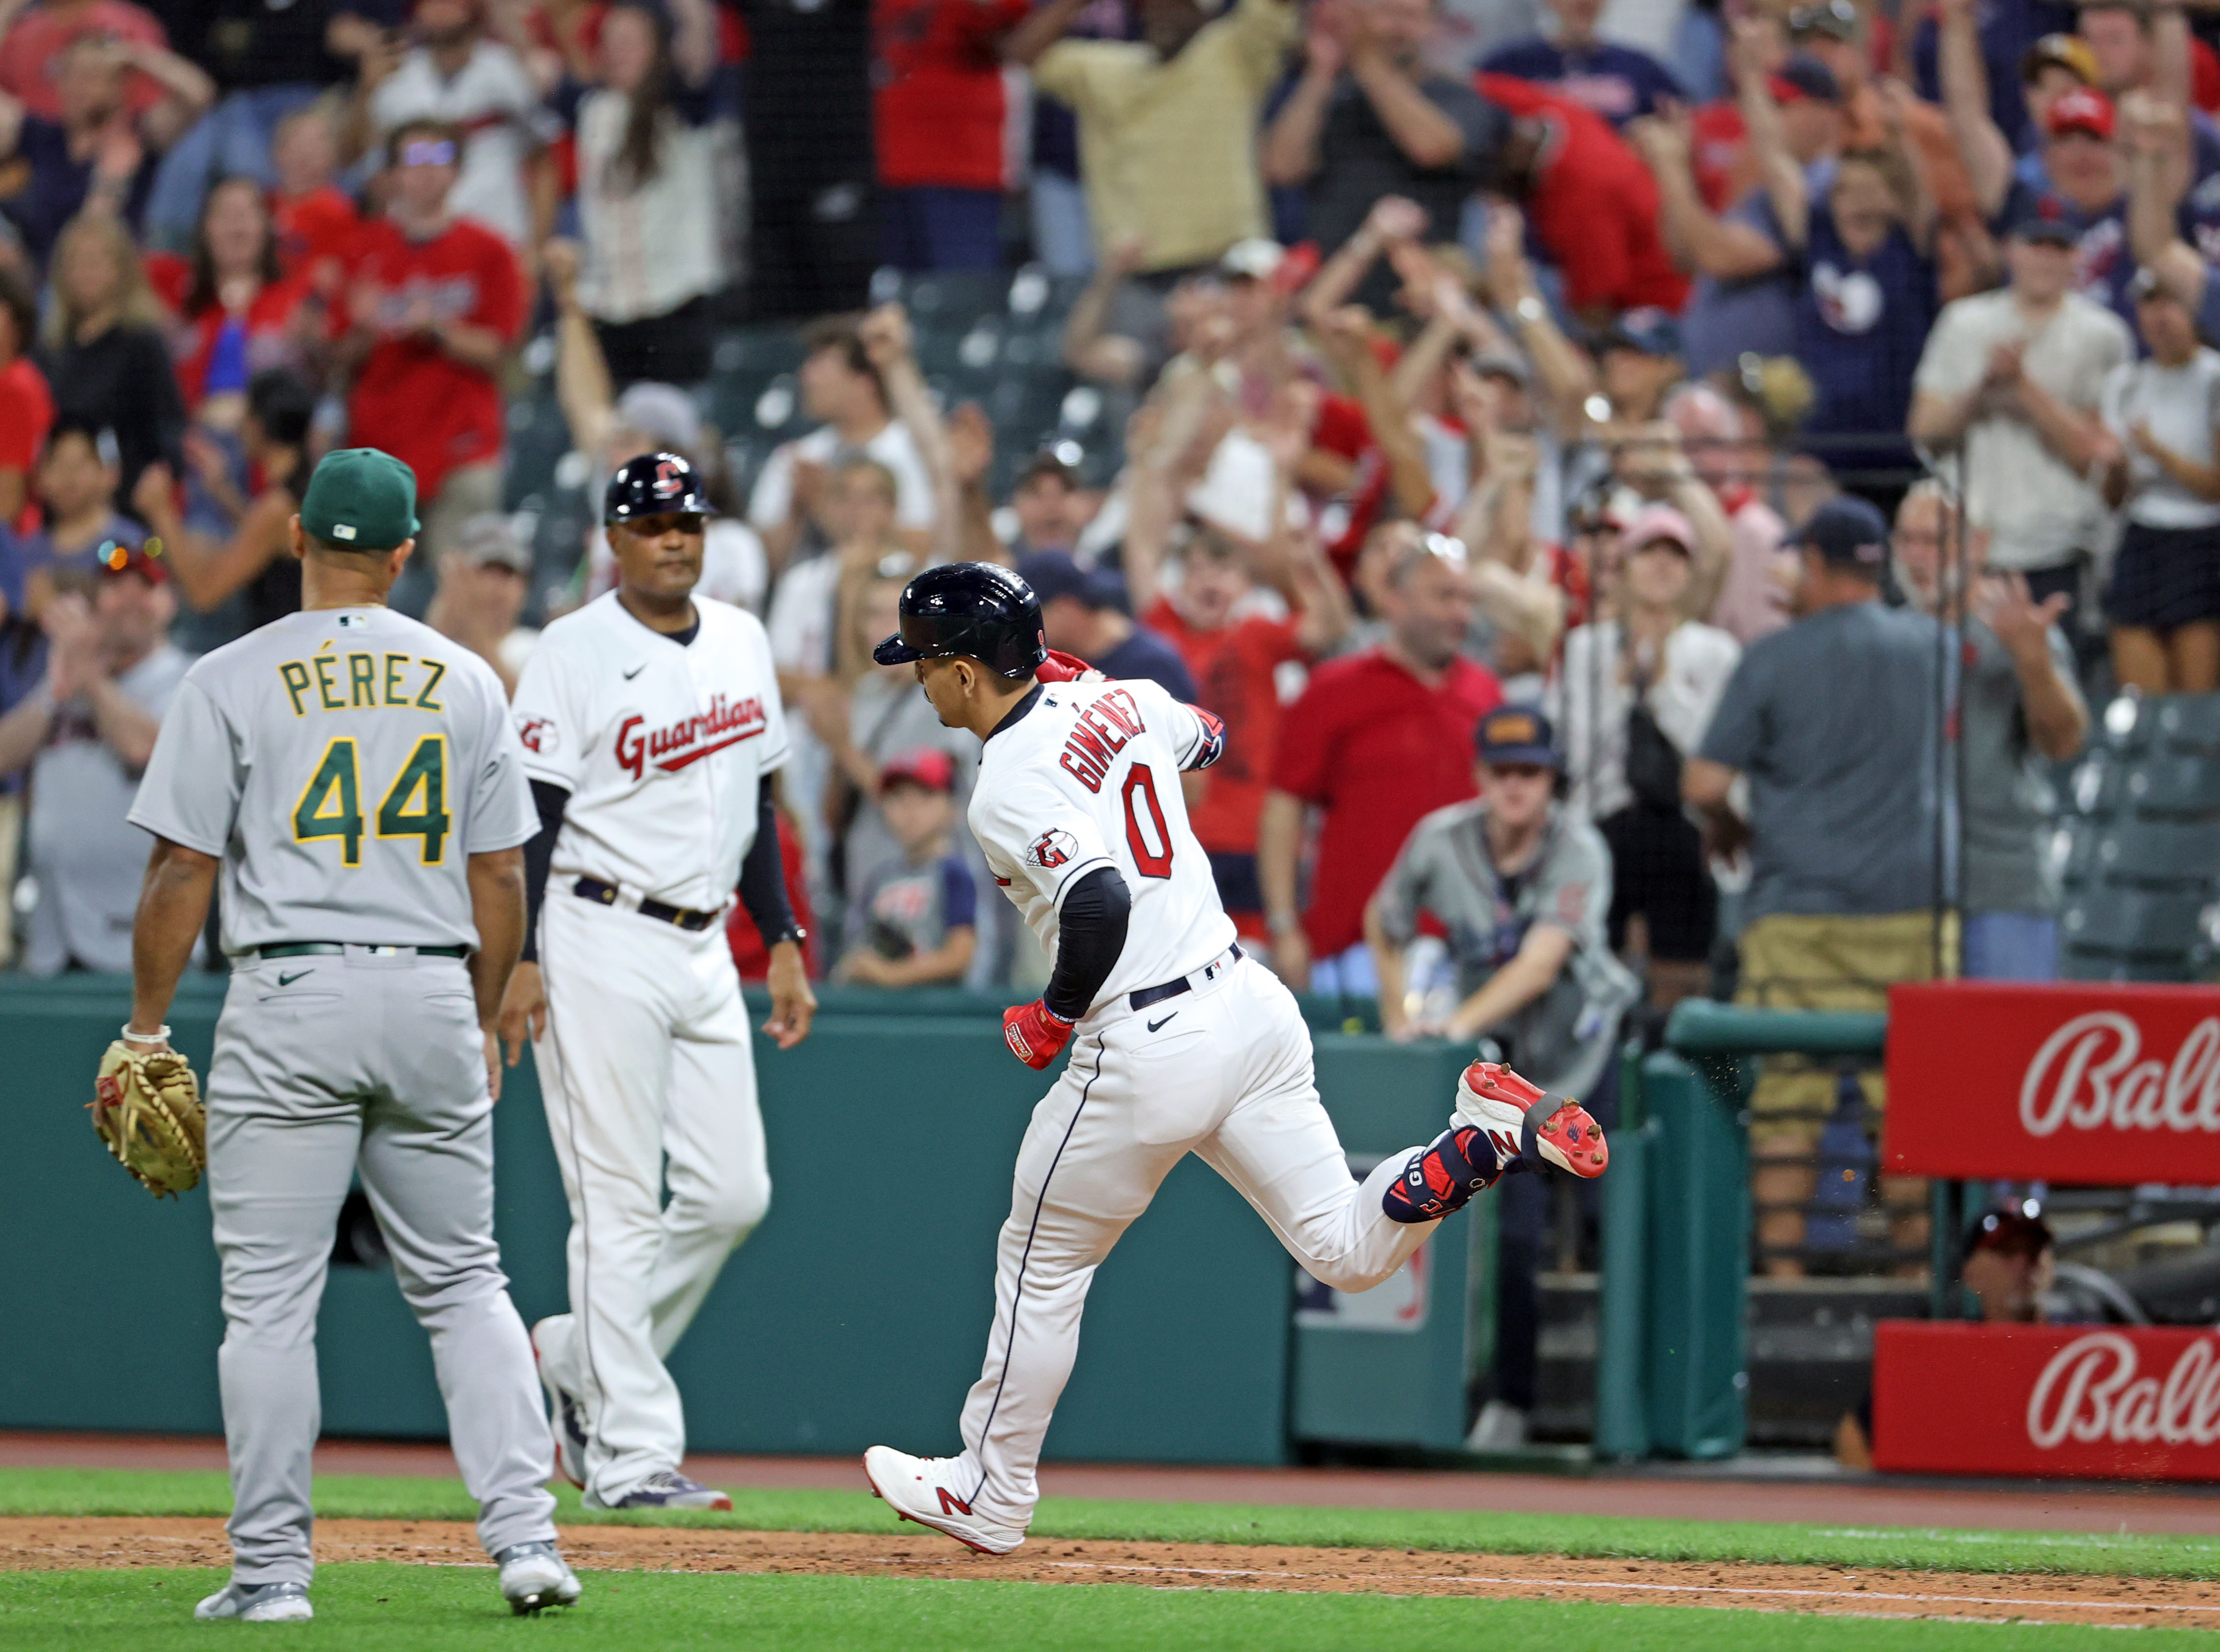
(332, 948)
(592, 889)
(1148, 996)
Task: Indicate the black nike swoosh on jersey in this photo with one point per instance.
(635, 671)
(287, 980)
(1167, 1021)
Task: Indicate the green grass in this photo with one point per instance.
(97, 1491)
(380, 1607)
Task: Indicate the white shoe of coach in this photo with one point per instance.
(936, 1492)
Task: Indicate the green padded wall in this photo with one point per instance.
(856, 1313)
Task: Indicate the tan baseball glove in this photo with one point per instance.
(146, 1107)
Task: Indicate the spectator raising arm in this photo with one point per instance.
(2057, 718)
(1427, 137)
(1565, 370)
(209, 573)
(1698, 238)
(1090, 349)
(887, 341)
(1965, 78)
(189, 93)
(1393, 221)
(1346, 340)
(1290, 154)
(584, 388)
(1043, 28)
(2158, 177)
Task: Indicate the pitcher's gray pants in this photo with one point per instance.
(324, 1065)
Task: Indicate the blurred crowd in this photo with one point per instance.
(1594, 458)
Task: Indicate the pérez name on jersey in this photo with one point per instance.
(728, 723)
(1101, 732)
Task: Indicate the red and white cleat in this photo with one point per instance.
(1521, 1120)
(936, 1492)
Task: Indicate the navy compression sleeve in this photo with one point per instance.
(1090, 934)
(538, 856)
(763, 877)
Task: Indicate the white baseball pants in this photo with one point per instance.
(648, 1078)
(1222, 1071)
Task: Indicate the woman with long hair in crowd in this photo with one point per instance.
(1636, 691)
(104, 351)
(236, 316)
(647, 192)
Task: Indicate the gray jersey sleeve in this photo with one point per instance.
(501, 813)
(1573, 889)
(189, 792)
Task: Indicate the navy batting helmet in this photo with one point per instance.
(654, 485)
(976, 609)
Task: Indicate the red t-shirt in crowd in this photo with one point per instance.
(26, 412)
(412, 398)
(269, 322)
(1376, 749)
(1233, 668)
(314, 235)
(1594, 205)
(938, 108)
(30, 55)
(1343, 430)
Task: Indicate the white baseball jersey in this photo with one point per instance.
(1089, 776)
(662, 745)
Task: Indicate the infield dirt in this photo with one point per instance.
(53, 1543)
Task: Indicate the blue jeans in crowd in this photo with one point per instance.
(231, 140)
(1063, 236)
(2012, 946)
(932, 227)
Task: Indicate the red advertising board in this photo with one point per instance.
(2094, 1085)
(2097, 1402)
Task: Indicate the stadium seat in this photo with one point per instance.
(2171, 783)
(2133, 923)
(2159, 853)
(2097, 785)
(2123, 726)
(2188, 722)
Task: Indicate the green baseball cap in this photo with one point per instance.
(361, 499)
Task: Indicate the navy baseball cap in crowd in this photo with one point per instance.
(1651, 331)
(1516, 734)
(1057, 573)
(2035, 226)
(1801, 76)
(1848, 532)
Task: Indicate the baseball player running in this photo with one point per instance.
(651, 723)
(352, 776)
(1179, 1043)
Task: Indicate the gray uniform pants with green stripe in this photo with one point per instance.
(326, 1065)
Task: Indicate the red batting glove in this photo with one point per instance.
(1066, 667)
(1034, 1033)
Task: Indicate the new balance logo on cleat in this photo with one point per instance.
(951, 1504)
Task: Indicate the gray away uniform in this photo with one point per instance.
(344, 764)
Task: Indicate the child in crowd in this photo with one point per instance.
(913, 921)
(78, 474)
